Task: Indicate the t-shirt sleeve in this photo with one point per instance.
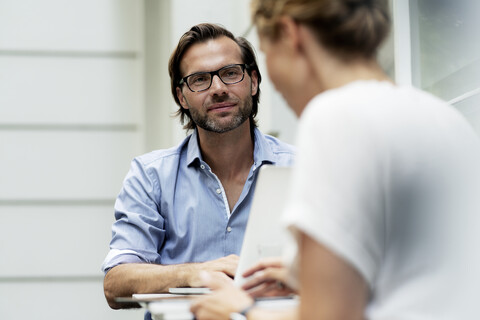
(338, 185)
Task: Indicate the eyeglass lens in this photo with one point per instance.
(202, 81)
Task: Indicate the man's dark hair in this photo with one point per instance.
(202, 33)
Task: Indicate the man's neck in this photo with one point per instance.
(228, 154)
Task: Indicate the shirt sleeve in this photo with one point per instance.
(338, 185)
(138, 232)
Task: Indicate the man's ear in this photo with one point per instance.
(181, 98)
(254, 77)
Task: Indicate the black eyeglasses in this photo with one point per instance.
(201, 81)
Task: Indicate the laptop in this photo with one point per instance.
(265, 235)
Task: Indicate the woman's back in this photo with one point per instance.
(384, 179)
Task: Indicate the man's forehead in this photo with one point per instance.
(210, 55)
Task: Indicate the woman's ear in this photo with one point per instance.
(290, 32)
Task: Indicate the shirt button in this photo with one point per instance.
(229, 229)
(219, 191)
(202, 166)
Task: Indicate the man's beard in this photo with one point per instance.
(216, 125)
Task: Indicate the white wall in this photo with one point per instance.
(71, 119)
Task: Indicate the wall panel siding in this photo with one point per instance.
(72, 300)
(73, 243)
(65, 164)
(69, 90)
(71, 120)
(58, 25)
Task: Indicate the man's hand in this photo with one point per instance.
(268, 278)
(221, 270)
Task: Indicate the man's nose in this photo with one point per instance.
(218, 86)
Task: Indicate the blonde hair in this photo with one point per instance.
(349, 28)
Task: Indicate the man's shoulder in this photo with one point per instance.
(277, 145)
(155, 156)
(272, 149)
(167, 155)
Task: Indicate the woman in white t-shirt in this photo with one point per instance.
(383, 203)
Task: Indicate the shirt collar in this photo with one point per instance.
(262, 151)
(193, 149)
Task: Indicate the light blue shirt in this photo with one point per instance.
(173, 209)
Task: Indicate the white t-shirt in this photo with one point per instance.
(384, 179)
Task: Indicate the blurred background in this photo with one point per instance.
(84, 88)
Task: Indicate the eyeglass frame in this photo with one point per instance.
(215, 73)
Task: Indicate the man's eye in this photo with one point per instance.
(231, 73)
(199, 79)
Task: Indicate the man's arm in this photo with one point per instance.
(330, 287)
(126, 279)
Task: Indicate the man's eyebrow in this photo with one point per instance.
(202, 71)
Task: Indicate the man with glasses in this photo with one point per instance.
(185, 209)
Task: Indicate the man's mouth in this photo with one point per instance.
(220, 107)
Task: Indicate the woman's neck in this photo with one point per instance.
(331, 71)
